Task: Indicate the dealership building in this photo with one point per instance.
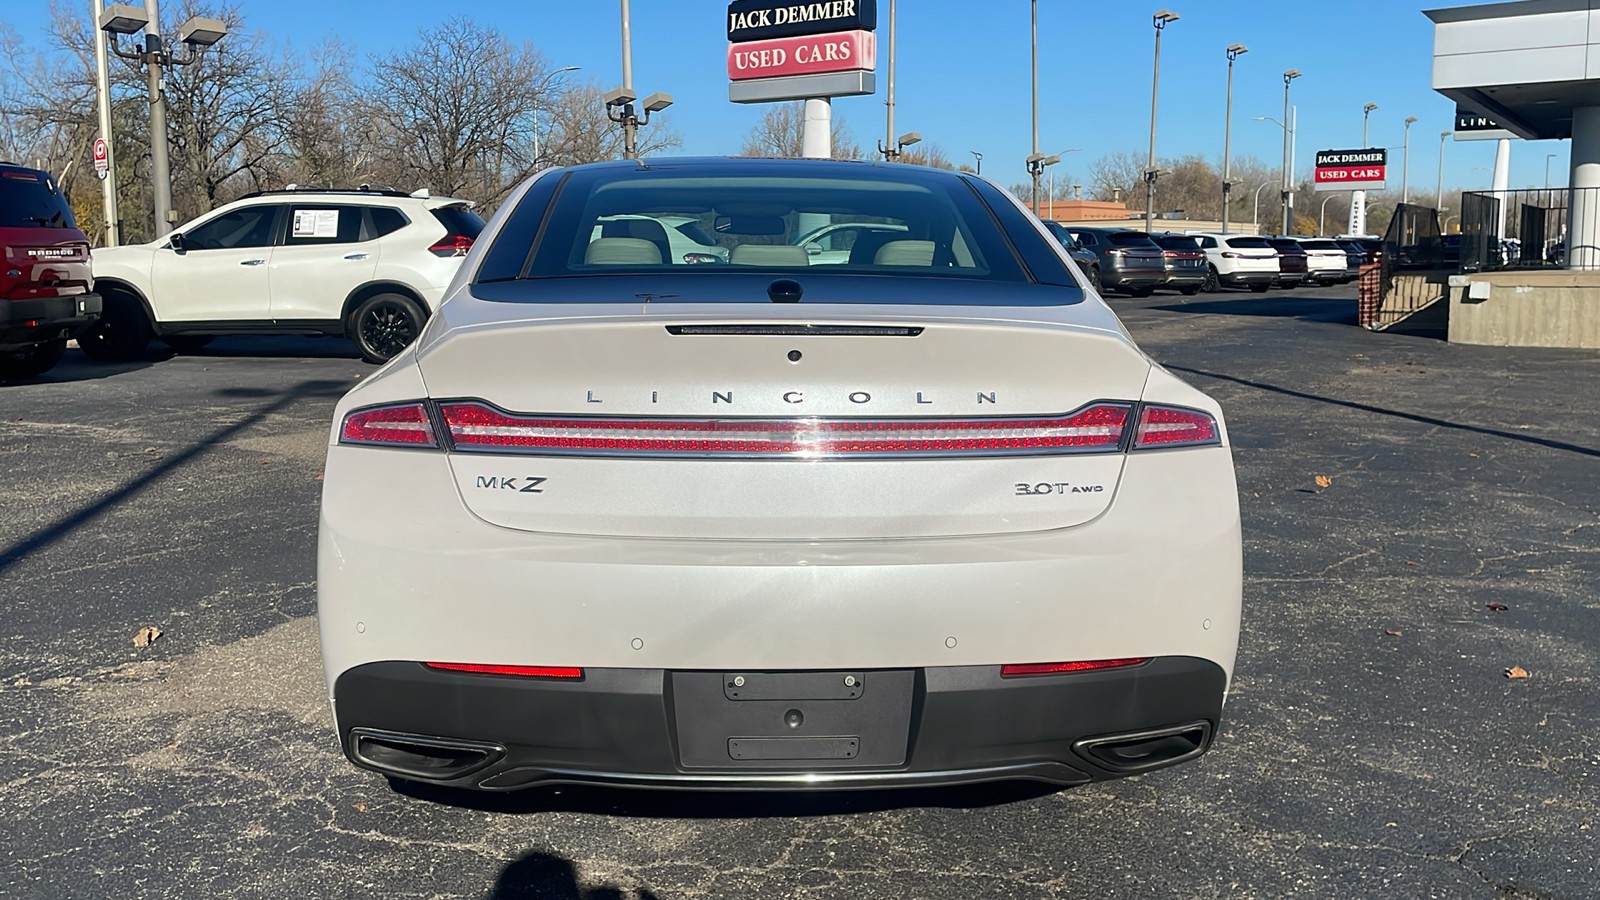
(1533, 67)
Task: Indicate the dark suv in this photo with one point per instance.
(45, 295)
(1129, 260)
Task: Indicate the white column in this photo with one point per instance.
(1358, 212)
(1583, 220)
(816, 133)
(1502, 181)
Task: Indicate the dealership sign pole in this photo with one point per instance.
(780, 50)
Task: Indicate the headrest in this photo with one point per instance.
(769, 255)
(622, 251)
(905, 253)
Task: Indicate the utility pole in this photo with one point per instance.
(108, 178)
(1288, 137)
(1160, 20)
(1234, 52)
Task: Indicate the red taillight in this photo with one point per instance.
(405, 425)
(452, 245)
(1060, 668)
(519, 671)
(1167, 426)
(1230, 255)
(475, 426)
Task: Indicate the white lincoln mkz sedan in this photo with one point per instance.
(923, 515)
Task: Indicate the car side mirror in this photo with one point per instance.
(814, 249)
(175, 241)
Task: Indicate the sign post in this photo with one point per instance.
(782, 50)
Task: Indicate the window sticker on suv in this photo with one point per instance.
(316, 223)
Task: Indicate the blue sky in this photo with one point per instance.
(963, 73)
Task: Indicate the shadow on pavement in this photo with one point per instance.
(1412, 417)
(44, 537)
(77, 367)
(647, 804)
(1340, 310)
(549, 877)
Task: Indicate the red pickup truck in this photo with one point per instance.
(46, 294)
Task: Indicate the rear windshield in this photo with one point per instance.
(32, 200)
(1291, 246)
(1179, 243)
(1249, 243)
(1130, 239)
(620, 220)
(1320, 245)
(460, 220)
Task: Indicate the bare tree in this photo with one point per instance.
(1115, 176)
(327, 139)
(779, 134)
(925, 154)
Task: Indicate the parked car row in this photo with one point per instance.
(1136, 263)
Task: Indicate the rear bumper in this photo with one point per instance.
(24, 322)
(1187, 279)
(1118, 277)
(626, 726)
(1235, 279)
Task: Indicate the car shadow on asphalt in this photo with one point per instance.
(1337, 310)
(648, 804)
(550, 877)
(1382, 411)
(77, 367)
(30, 544)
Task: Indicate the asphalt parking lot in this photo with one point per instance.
(1373, 745)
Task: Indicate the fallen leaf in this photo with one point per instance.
(149, 449)
(17, 419)
(359, 807)
(1324, 481)
(147, 635)
(1499, 607)
(1516, 672)
(356, 376)
(1473, 455)
(266, 462)
(172, 746)
(318, 478)
(1391, 631)
(1412, 562)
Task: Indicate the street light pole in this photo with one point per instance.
(1358, 199)
(537, 93)
(630, 126)
(1547, 158)
(1443, 135)
(1160, 21)
(1288, 133)
(890, 149)
(1405, 167)
(108, 178)
(979, 157)
(160, 170)
(1322, 217)
(1234, 52)
(1034, 168)
(1257, 218)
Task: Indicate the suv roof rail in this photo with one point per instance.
(297, 189)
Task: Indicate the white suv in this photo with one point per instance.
(1238, 260)
(369, 264)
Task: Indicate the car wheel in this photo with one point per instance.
(187, 343)
(1259, 288)
(1212, 284)
(121, 332)
(1189, 290)
(384, 325)
(1094, 279)
(33, 361)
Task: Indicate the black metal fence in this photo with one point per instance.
(1521, 229)
(1413, 241)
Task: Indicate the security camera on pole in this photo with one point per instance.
(776, 55)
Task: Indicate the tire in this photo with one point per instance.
(1190, 290)
(1260, 288)
(1094, 280)
(121, 332)
(187, 343)
(1212, 284)
(31, 362)
(385, 324)
(1142, 292)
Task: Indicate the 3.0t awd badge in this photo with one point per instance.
(505, 483)
(1058, 487)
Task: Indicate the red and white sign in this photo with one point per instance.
(1352, 170)
(816, 54)
(102, 157)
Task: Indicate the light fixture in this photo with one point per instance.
(909, 138)
(202, 32)
(619, 97)
(120, 18)
(657, 102)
